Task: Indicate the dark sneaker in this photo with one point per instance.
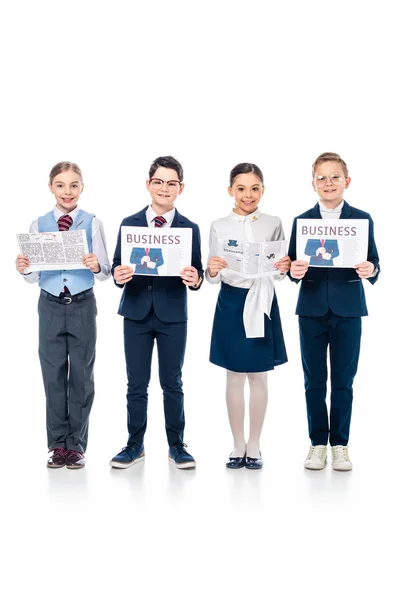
(75, 460)
(182, 459)
(128, 456)
(58, 458)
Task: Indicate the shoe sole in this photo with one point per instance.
(315, 467)
(188, 465)
(55, 466)
(342, 468)
(75, 466)
(120, 465)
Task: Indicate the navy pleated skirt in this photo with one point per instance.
(231, 349)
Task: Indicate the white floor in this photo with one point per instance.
(153, 531)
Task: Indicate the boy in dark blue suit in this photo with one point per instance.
(330, 306)
(155, 308)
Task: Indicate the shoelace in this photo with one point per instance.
(340, 452)
(180, 447)
(315, 450)
(59, 452)
(74, 453)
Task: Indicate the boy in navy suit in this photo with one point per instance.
(155, 308)
(330, 306)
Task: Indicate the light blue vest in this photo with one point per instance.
(76, 280)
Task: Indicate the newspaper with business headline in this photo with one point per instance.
(339, 243)
(54, 250)
(156, 251)
(252, 258)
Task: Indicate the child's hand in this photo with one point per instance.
(320, 250)
(151, 265)
(215, 264)
(298, 269)
(326, 256)
(22, 262)
(190, 276)
(283, 265)
(123, 274)
(145, 259)
(90, 261)
(365, 269)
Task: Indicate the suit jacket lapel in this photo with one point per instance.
(140, 218)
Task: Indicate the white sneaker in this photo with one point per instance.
(316, 458)
(340, 459)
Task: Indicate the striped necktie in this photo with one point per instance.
(159, 221)
(64, 223)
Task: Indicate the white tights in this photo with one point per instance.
(257, 407)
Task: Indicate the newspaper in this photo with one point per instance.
(156, 251)
(54, 250)
(252, 258)
(332, 242)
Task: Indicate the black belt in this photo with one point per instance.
(64, 298)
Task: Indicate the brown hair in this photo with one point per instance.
(330, 156)
(61, 167)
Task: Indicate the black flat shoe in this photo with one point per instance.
(236, 462)
(254, 463)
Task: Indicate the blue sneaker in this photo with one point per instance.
(128, 456)
(182, 459)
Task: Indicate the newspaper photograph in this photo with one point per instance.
(156, 251)
(336, 243)
(54, 249)
(252, 258)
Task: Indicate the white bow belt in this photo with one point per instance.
(258, 301)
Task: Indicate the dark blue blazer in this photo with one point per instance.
(167, 295)
(331, 246)
(155, 255)
(340, 290)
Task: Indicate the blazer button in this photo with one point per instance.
(149, 287)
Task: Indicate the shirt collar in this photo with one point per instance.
(168, 216)
(331, 210)
(252, 218)
(58, 213)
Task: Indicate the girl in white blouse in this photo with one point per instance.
(247, 338)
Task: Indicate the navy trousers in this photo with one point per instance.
(343, 336)
(139, 339)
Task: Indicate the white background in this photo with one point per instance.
(112, 86)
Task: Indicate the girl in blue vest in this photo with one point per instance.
(67, 321)
(247, 337)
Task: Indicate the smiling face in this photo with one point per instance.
(66, 187)
(330, 182)
(164, 188)
(247, 190)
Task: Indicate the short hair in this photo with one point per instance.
(168, 162)
(327, 157)
(62, 167)
(245, 168)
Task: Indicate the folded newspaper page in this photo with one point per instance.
(156, 251)
(54, 250)
(252, 258)
(332, 242)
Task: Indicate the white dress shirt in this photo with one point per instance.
(151, 215)
(256, 227)
(330, 213)
(99, 247)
